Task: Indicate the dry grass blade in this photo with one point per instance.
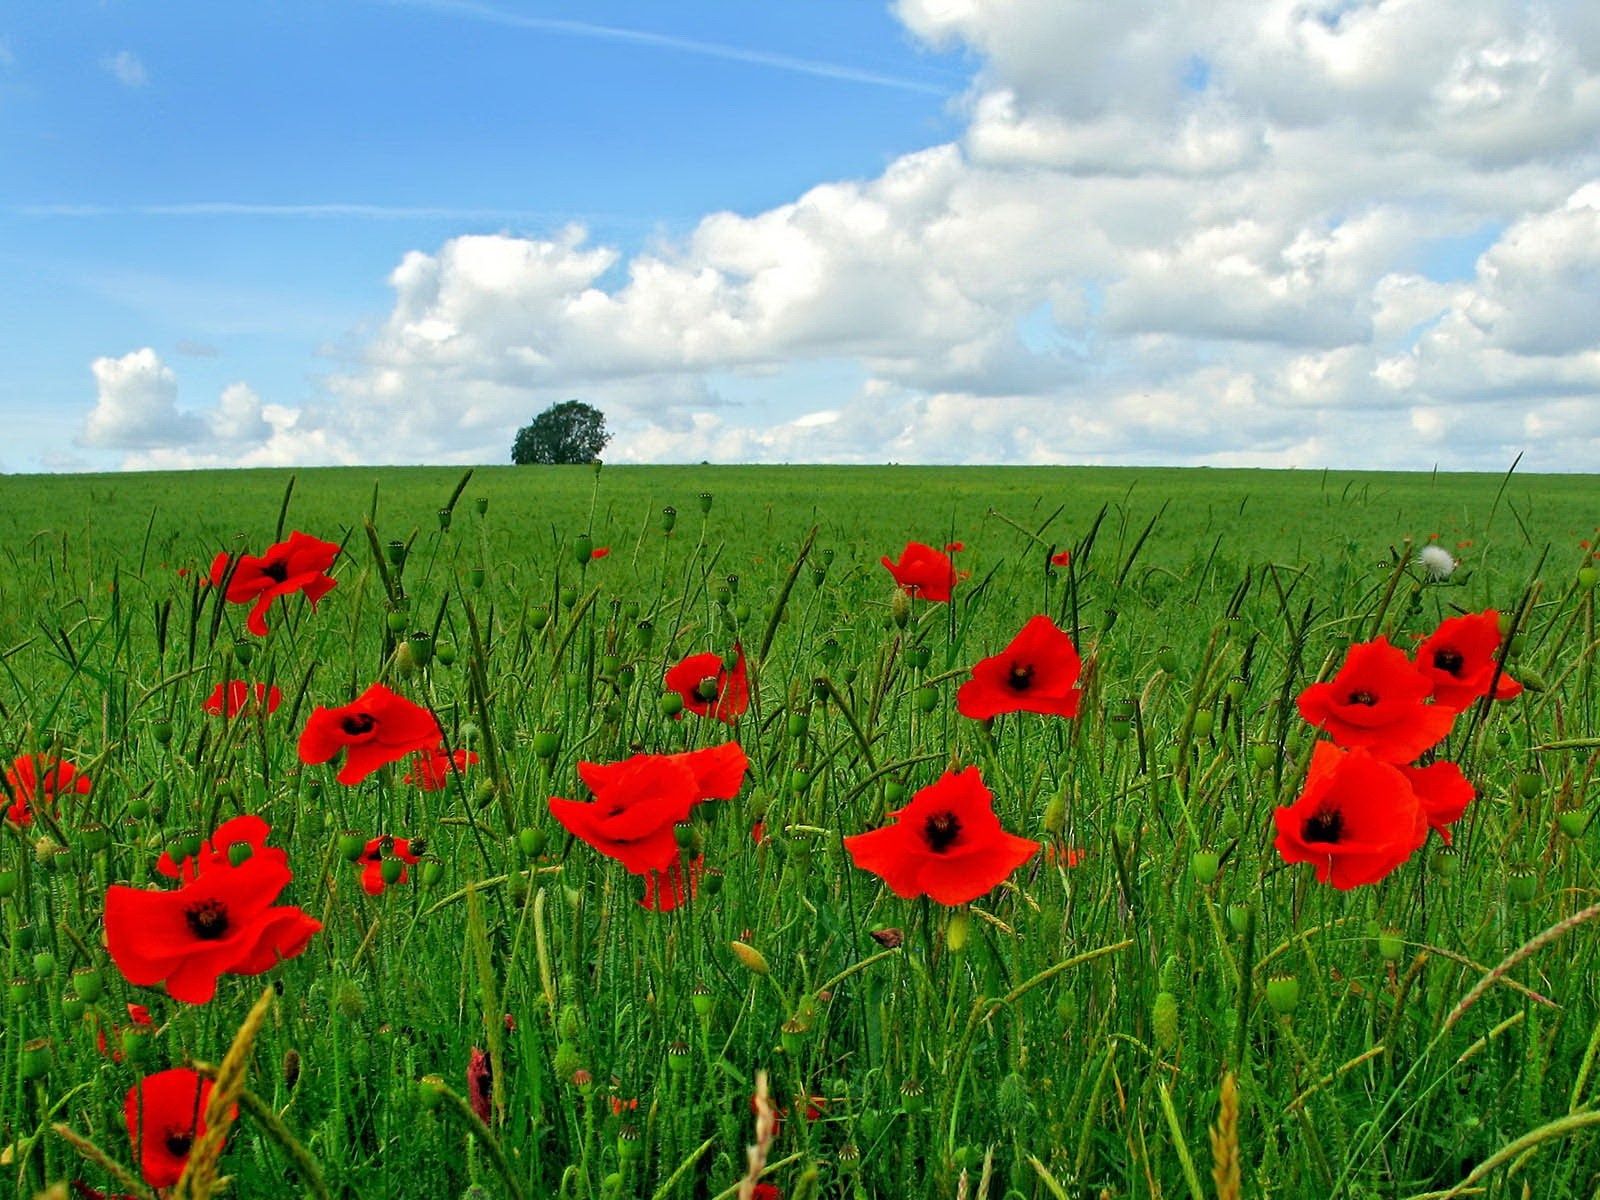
(1225, 1143)
(124, 1177)
(199, 1179)
(766, 1131)
(1533, 944)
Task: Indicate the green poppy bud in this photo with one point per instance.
(1572, 821)
(913, 1097)
(1204, 865)
(1263, 755)
(925, 699)
(546, 743)
(957, 931)
(1587, 578)
(1529, 784)
(10, 880)
(532, 842)
(1204, 722)
(432, 871)
(444, 652)
(750, 958)
(538, 617)
(350, 845)
(1167, 660)
(1283, 994)
(161, 730)
(390, 870)
(239, 852)
(421, 644)
(703, 1000)
(671, 704)
(1391, 945)
(73, 1008)
(396, 620)
(44, 964)
(582, 549)
(569, 597)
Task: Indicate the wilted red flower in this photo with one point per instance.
(223, 921)
(1038, 672)
(1443, 791)
(230, 699)
(371, 860)
(435, 765)
(480, 1084)
(1377, 702)
(298, 565)
(219, 850)
(1356, 819)
(946, 844)
(1459, 659)
(166, 1117)
(924, 572)
(377, 727)
(665, 890)
(35, 779)
(638, 801)
(709, 688)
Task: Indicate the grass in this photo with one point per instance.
(1067, 1035)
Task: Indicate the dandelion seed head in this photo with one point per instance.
(1436, 561)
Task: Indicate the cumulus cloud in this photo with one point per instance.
(136, 405)
(1188, 232)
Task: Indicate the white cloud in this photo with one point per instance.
(125, 67)
(1189, 232)
(136, 405)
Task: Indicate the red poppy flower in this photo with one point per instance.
(371, 860)
(709, 688)
(954, 547)
(166, 1114)
(377, 727)
(638, 801)
(1038, 672)
(298, 565)
(1459, 659)
(946, 844)
(765, 1191)
(1061, 559)
(600, 552)
(924, 572)
(665, 890)
(480, 1084)
(221, 922)
(435, 766)
(230, 699)
(1443, 791)
(219, 851)
(1377, 702)
(138, 1014)
(34, 779)
(1357, 818)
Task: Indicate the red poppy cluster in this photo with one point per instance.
(638, 802)
(35, 780)
(299, 565)
(222, 920)
(1367, 805)
(711, 688)
(1038, 672)
(924, 573)
(947, 844)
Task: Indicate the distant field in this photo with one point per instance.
(1066, 1030)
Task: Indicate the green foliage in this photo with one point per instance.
(1079, 1033)
(569, 433)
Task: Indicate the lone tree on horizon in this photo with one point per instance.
(569, 432)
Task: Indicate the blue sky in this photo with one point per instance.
(974, 231)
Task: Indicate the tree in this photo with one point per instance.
(569, 432)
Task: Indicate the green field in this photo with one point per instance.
(1065, 1034)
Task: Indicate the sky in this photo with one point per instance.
(1274, 233)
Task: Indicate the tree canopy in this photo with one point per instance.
(569, 432)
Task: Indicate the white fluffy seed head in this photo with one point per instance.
(1436, 561)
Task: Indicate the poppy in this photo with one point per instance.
(138, 1014)
(166, 1115)
(480, 1084)
(231, 698)
(298, 565)
(218, 851)
(946, 844)
(377, 727)
(599, 552)
(924, 572)
(1038, 672)
(34, 779)
(1061, 559)
(1377, 702)
(954, 547)
(435, 765)
(638, 801)
(1460, 659)
(1356, 819)
(372, 857)
(709, 688)
(223, 921)
(1443, 791)
(665, 890)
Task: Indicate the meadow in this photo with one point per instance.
(501, 998)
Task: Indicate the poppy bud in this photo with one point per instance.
(957, 932)
(1529, 784)
(1262, 754)
(546, 743)
(919, 656)
(629, 1144)
(1283, 994)
(1235, 688)
(1240, 918)
(10, 879)
(568, 597)
(390, 870)
(925, 699)
(538, 617)
(1391, 945)
(19, 989)
(44, 964)
(1573, 821)
(799, 780)
(670, 704)
(135, 1040)
(798, 723)
(582, 549)
(239, 852)
(669, 518)
(396, 620)
(1164, 1020)
(751, 958)
(34, 1062)
(687, 837)
(792, 1035)
(1587, 578)
(532, 842)
(722, 594)
(705, 502)
(1055, 815)
(88, 983)
(397, 552)
(444, 519)
(1203, 865)
(849, 1158)
(678, 1057)
(94, 837)
(1204, 722)
(432, 871)
(1446, 863)
(430, 1091)
(818, 576)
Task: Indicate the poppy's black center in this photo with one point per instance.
(1362, 697)
(1325, 826)
(178, 1142)
(208, 920)
(1449, 660)
(1021, 677)
(357, 724)
(277, 570)
(940, 830)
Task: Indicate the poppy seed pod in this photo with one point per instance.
(705, 502)
(34, 1062)
(1572, 822)
(481, 504)
(669, 518)
(444, 519)
(1203, 865)
(397, 552)
(582, 549)
(1283, 994)
(88, 983)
